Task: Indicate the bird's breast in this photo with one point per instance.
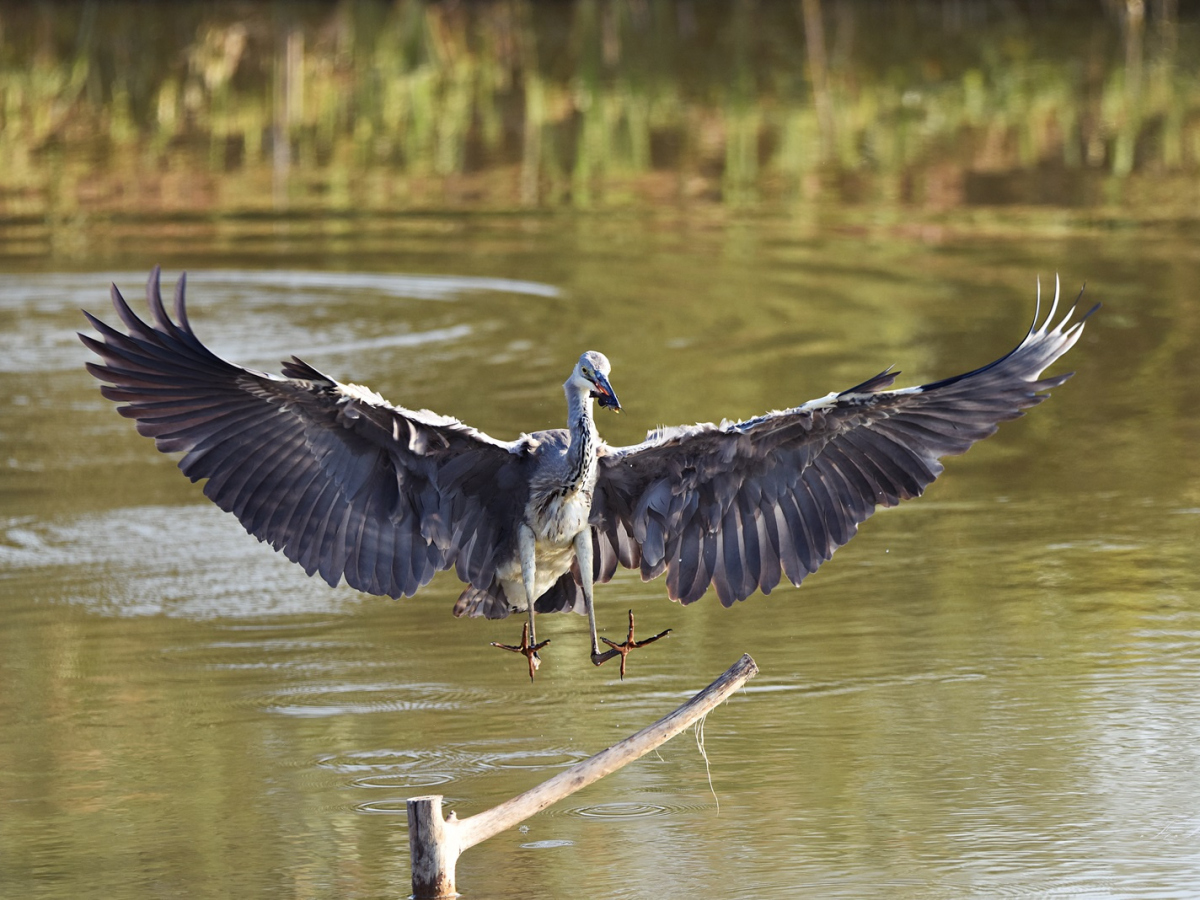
(562, 516)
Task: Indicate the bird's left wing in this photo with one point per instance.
(332, 475)
(733, 505)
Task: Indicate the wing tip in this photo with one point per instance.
(163, 323)
(302, 371)
(875, 383)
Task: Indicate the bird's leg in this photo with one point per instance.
(527, 547)
(529, 646)
(583, 557)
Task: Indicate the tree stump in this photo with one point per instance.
(435, 843)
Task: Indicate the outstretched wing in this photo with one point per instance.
(332, 475)
(734, 505)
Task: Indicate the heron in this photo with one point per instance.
(351, 487)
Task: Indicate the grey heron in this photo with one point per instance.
(351, 487)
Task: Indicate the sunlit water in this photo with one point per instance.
(991, 691)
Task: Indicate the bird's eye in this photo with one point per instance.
(587, 373)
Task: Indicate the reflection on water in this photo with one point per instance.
(207, 118)
(990, 691)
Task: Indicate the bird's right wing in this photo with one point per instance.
(731, 505)
(332, 475)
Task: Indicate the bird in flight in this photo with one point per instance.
(350, 486)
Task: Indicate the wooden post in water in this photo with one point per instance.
(436, 842)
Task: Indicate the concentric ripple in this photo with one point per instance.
(619, 811)
(551, 758)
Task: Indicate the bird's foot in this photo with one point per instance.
(526, 649)
(622, 650)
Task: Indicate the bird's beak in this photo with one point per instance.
(605, 394)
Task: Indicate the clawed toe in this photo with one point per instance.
(599, 659)
(623, 650)
(526, 649)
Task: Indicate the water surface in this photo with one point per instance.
(990, 691)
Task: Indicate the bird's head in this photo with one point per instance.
(591, 375)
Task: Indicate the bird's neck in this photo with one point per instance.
(581, 454)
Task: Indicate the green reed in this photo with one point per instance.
(358, 105)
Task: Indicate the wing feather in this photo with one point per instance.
(813, 518)
(263, 506)
(735, 506)
(751, 555)
(790, 541)
(770, 560)
(331, 475)
(805, 546)
(681, 576)
(313, 510)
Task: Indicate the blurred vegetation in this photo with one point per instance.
(353, 106)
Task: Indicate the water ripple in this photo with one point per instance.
(404, 780)
(542, 759)
(46, 306)
(320, 700)
(547, 845)
(618, 811)
(390, 807)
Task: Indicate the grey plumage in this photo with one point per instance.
(351, 487)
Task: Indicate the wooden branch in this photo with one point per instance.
(435, 843)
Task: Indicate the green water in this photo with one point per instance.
(990, 691)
